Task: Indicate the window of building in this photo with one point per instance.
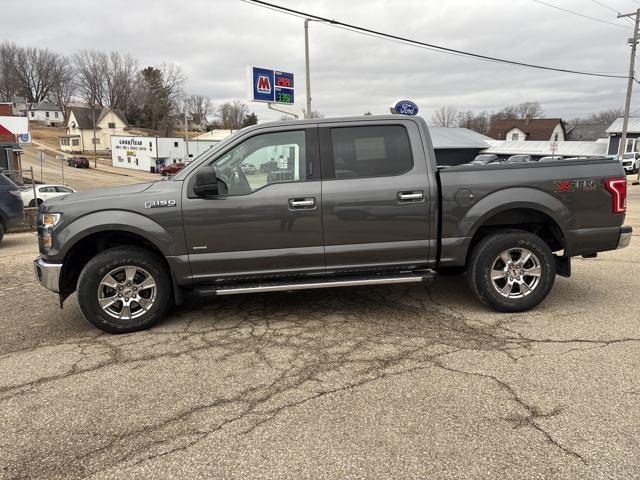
(111, 125)
(150, 145)
(377, 151)
(630, 145)
(75, 142)
(95, 141)
(175, 144)
(514, 137)
(262, 160)
(46, 114)
(556, 137)
(55, 114)
(33, 114)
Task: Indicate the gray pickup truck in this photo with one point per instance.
(351, 201)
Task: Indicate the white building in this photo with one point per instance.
(46, 113)
(80, 132)
(151, 153)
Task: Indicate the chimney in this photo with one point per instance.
(527, 119)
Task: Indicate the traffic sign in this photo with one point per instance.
(553, 146)
(271, 86)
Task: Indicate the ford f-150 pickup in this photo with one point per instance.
(351, 201)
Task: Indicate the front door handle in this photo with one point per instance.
(302, 203)
(410, 196)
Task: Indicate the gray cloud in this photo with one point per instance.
(214, 41)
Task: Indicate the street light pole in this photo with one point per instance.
(625, 121)
(306, 66)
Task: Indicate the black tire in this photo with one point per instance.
(1, 232)
(482, 261)
(450, 271)
(112, 259)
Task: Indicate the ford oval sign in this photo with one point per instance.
(405, 107)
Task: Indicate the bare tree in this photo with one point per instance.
(198, 106)
(64, 88)
(445, 117)
(519, 111)
(232, 114)
(106, 80)
(36, 72)
(314, 114)
(8, 83)
(478, 122)
(89, 69)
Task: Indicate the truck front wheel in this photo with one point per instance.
(512, 271)
(124, 289)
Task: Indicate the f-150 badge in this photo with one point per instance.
(160, 203)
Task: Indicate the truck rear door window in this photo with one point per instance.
(376, 151)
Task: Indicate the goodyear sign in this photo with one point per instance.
(271, 86)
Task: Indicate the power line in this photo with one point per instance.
(612, 10)
(580, 14)
(416, 43)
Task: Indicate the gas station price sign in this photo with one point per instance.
(271, 86)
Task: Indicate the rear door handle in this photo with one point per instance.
(410, 196)
(302, 203)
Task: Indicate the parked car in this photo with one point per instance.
(11, 206)
(484, 159)
(519, 159)
(78, 162)
(171, 169)
(249, 169)
(631, 163)
(43, 193)
(378, 211)
(550, 159)
(269, 167)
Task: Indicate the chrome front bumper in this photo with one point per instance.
(48, 274)
(625, 236)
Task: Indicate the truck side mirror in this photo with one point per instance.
(206, 182)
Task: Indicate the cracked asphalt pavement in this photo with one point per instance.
(376, 382)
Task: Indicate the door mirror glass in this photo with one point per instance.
(206, 182)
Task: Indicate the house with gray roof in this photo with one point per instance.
(46, 113)
(615, 134)
(80, 129)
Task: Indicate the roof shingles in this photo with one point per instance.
(534, 128)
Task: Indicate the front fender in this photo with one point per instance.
(115, 220)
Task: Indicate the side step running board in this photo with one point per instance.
(306, 283)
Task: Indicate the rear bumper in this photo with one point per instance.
(625, 236)
(48, 274)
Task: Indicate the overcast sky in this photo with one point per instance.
(214, 41)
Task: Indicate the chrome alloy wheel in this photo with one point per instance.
(127, 292)
(516, 273)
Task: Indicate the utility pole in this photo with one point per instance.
(625, 121)
(95, 157)
(306, 66)
(186, 133)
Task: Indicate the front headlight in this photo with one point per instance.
(49, 220)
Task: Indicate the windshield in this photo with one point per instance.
(203, 156)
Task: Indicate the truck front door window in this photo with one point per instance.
(263, 160)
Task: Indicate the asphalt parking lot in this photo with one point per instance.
(377, 382)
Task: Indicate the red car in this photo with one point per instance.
(171, 169)
(78, 162)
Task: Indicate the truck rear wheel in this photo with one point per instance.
(124, 289)
(512, 272)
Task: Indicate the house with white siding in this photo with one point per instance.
(46, 113)
(80, 131)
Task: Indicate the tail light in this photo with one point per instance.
(618, 188)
